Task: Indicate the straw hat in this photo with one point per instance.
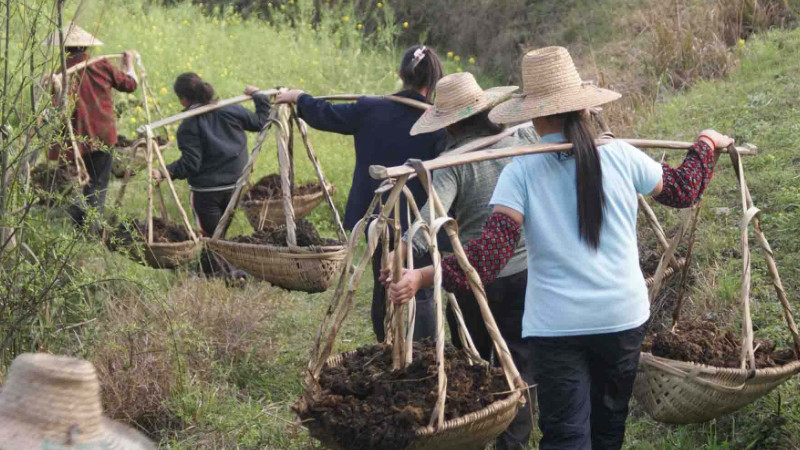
(74, 36)
(458, 96)
(551, 85)
(54, 402)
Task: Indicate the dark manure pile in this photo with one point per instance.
(128, 233)
(363, 404)
(701, 341)
(269, 187)
(305, 232)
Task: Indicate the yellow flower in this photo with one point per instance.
(449, 55)
(360, 26)
(380, 5)
(405, 24)
(216, 21)
(471, 60)
(457, 58)
(283, 7)
(302, 80)
(133, 120)
(345, 18)
(269, 4)
(138, 110)
(185, 22)
(740, 42)
(291, 2)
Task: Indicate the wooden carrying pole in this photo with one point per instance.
(393, 98)
(449, 160)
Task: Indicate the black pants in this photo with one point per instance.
(425, 318)
(208, 209)
(584, 386)
(98, 164)
(506, 297)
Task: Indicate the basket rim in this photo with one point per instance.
(279, 199)
(648, 359)
(314, 251)
(187, 243)
(466, 419)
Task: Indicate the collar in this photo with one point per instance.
(557, 138)
(410, 93)
(77, 58)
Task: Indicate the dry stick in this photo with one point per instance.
(676, 313)
(466, 338)
(655, 225)
(149, 213)
(303, 128)
(769, 256)
(234, 201)
(161, 204)
(346, 304)
(437, 415)
(202, 110)
(172, 190)
(449, 160)
(388, 318)
(353, 97)
(668, 255)
(476, 285)
(399, 346)
(126, 178)
(284, 161)
(56, 80)
(487, 141)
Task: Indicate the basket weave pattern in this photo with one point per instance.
(682, 392)
(309, 271)
(472, 431)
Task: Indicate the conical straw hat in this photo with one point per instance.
(551, 85)
(54, 402)
(74, 36)
(458, 96)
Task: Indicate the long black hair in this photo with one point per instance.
(421, 67)
(588, 178)
(190, 86)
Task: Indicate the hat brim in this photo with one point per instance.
(529, 107)
(435, 119)
(116, 436)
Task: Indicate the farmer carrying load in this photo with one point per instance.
(586, 304)
(93, 118)
(380, 130)
(462, 109)
(213, 155)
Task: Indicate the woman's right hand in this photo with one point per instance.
(406, 287)
(715, 139)
(290, 96)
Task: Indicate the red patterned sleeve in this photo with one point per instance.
(120, 80)
(488, 254)
(684, 186)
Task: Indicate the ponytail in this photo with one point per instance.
(588, 178)
(420, 68)
(190, 86)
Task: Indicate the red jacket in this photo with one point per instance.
(93, 119)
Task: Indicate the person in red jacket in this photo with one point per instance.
(93, 118)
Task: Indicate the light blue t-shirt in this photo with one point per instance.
(573, 289)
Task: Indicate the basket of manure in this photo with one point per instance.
(171, 246)
(310, 265)
(694, 371)
(289, 253)
(53, 182)
(404, 394)
(263, 203)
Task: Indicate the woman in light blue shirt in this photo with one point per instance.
(586, 304)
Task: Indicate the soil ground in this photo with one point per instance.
(270, 186)
(129, 232)
(306, 236)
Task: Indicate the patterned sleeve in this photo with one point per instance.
(488, 254)
(684, 186)
(120, 80)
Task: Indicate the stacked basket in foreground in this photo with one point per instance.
(269, 212)
(163, 255)
(310, 269)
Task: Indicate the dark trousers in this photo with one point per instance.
(506, 298)
(584, 384)
(208, 208)
(425, 318)
(98, 164)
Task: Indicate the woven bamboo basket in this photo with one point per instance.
(311, 269)
(272, 209)
(472, 431)
(158, 255)
(683, 392)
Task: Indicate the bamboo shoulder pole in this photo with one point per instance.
(484, 142)
(202, 110)
(393, 98)
(380, 172)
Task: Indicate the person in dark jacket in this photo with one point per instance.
(380, 129)
(213, 153)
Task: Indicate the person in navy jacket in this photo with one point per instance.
(380, 130)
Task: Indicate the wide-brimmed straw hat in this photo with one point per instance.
(551, 85)
(54, 402)
(459, 96)
(74, 36)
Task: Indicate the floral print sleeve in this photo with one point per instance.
(488, 254)
(684, 186)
